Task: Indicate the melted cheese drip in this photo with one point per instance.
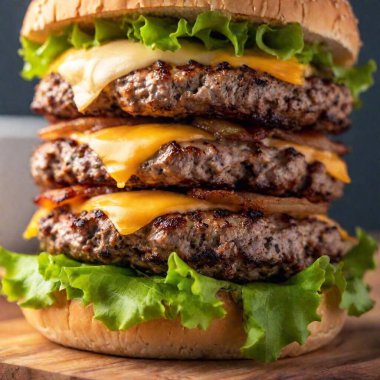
(334, 165)
(290, 71)
(32, 229)
(90, 71)
(132, 210)
(123, 149)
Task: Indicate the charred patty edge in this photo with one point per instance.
(163, 90)
(240, 247)
(231, 165)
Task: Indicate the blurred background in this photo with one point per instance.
(359, 207)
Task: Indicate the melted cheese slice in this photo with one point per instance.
(133, 210)
(90, 71)
(334, 165)
(123, 149)
(130, 211)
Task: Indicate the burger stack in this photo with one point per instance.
(224, 159)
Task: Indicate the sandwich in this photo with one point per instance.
(186, 174)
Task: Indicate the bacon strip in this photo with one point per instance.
(221, 129)
(298, 207)
(60, 197)
(84, 124)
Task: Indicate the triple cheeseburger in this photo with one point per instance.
(186, 177)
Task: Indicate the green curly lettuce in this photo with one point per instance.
(213, 29)
(358, 79)
(122, 298)
(357, 262)
(23, 282)
(283, 43)
(267, 306)
(39, 57)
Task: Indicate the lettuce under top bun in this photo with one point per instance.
(332, 23)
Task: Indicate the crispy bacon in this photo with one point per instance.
(60, 197)
(232, 200)
(66, 128)
(221, 129)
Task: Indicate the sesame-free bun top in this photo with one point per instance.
(329, 21)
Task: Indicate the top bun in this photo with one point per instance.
(329, 21)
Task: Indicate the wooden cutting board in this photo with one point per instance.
(24, 354)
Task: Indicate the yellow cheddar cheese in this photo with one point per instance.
(334, 165)
(89, 71)
(122, 149)
(132, 210)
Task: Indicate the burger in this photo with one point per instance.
(186, 175)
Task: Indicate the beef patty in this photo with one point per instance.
(222, 164)
(240, 247)
(162, 90)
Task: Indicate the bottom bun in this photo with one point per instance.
(71, 324)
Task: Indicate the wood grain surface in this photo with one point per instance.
(24, 354)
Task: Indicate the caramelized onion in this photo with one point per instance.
(298, 207)
(223, 129)
(313, 139)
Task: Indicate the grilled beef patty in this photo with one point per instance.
(162, 90)
(239, 247)
(223, 164)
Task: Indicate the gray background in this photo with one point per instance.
(361, 204)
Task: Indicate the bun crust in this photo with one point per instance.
(328, 21)
(71, 324)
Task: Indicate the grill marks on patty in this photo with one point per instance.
(239, 247)
(213, 91)
(222, 164)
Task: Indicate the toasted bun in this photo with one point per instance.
(328, 21)
(70, 324)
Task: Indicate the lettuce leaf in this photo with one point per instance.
(23, 282)
(120, 300)
(79, 39)
(283, 43)
(122, 297)
(106, 30)
(38, 58)
(195, 296)
(213, 29)
(358, 79)
(356, 299)
(267, 306)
